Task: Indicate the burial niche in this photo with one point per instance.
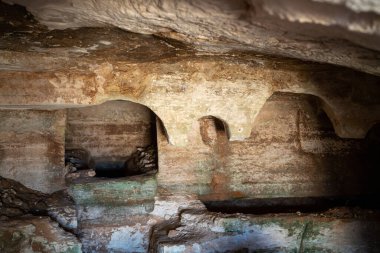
(113, 139)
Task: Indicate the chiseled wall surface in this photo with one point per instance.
(179, 84)
(266, 146)
(292, 152)
(110, 131)
(32, 148)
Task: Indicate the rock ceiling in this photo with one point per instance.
(341, 32)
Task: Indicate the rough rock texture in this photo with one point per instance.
(32, 148)
(339, 32)
(122, 215)
(180, 85)
(142, 161)
(175, 223)
(36, 234)
(75, 174)
(234, 126)
(16, 199)
(110, 132)
(211, 232)
(61, 208)
(86, 66)
(292, 152)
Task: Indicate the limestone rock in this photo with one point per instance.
(36, 234)
(16, 199)
(339, 32)
(212, 232)
(109, 132)
(32, 148)
(143, 160)
(61, 208)
(65, 216)
(249, 110)
(79, 174)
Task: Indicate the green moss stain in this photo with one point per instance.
(234, 225)
(121, 191)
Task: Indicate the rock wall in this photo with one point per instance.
(240, 127)
(110, 132)
(292, 152)
(180, 86)
(36, 234)
(32, 148)
(339, 32)
(245, 233)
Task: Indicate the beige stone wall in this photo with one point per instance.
(32, 148)
(292, 152)
(110, 131)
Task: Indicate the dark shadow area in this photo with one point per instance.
(110, 169)
(291, 205)
(373, 157)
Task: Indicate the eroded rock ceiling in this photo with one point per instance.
(341, 32)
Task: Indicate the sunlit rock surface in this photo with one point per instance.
(180, 85)
(269, 108)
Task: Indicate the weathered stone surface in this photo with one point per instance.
(36, 234)
(86, 66)
(130, 190)
(292, 152)
(125, 215)
(211, 232)
(16, 199)
(32, 148)
(248, 129)
(228, 87)
(73, 176)
(130, 236)
(339, 32)
(62, 209)
(110, 132)
(142, 161)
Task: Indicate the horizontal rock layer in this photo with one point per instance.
(91, 66)
(32, 148)
(110, 132)
(234, 125)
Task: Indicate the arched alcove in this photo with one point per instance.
(293, 160)
(117, 138)
(213, 130)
